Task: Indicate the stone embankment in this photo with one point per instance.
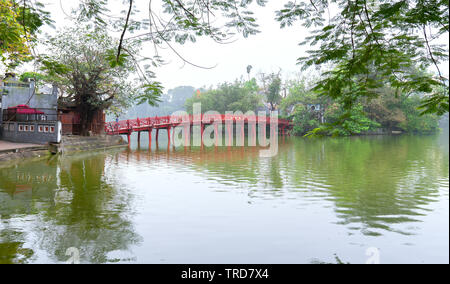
(14, 151)
(70, 145)
(74, 144)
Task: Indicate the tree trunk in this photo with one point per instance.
(86, 120)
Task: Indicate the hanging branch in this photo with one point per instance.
(124, 31)
(430, 52)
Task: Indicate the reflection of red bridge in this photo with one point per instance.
(127, 127)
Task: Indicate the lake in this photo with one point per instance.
(348, 200)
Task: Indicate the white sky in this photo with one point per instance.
(268, 51)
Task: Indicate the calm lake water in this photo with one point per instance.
(315, 201)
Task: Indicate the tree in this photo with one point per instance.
(415, 123)
(389, 111)
(237, 96)
(300, 93)
(79, 62)
(356, 121)
(249, 70)
(273, 92)
(304, 120)
(19, 25)
(370, 44)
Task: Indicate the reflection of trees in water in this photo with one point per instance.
(231, 166)
(373, 182)
(66, 203)
(13, 252)
(12, 243)
(24, 191)
(96, 218)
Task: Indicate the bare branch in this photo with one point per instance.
(124, 30)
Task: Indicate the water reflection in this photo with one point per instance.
(374, 183)
(24, 191)
(52, 206)
(109, 205)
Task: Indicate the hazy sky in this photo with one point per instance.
(269, 51)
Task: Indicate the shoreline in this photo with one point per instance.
(15, 152)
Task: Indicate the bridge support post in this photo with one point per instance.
(243, 135)
(173, 135)
(129, 138)
(150, 138)
(254, 134)
(265, 135)
(169, 136)
(157, 135)
(216, 134)
(187, 138)
(230, 141)
(139, 138)
(202, 131)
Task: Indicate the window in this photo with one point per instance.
(12, 127)
(31, 128)
(46, 129)
(40, 128)
(20, 128)
(52, 129)
(26, 128)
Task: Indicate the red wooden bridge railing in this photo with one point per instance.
(127, 127)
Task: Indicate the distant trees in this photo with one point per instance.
(304, 120)
(356, 121)
(300, 92)
(273, 92)
(172, 101)
(271, 88)
(401, 113)
(237, 96)
(388, 111)
(177, 97)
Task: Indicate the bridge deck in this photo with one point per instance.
(127, 127)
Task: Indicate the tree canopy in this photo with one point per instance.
(237, 96)
(273, 92)
(387, 112)
(369, 44)
(79, 63)
(19, 25)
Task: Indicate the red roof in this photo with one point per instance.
(24, 109)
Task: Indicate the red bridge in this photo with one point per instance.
(127, 127)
